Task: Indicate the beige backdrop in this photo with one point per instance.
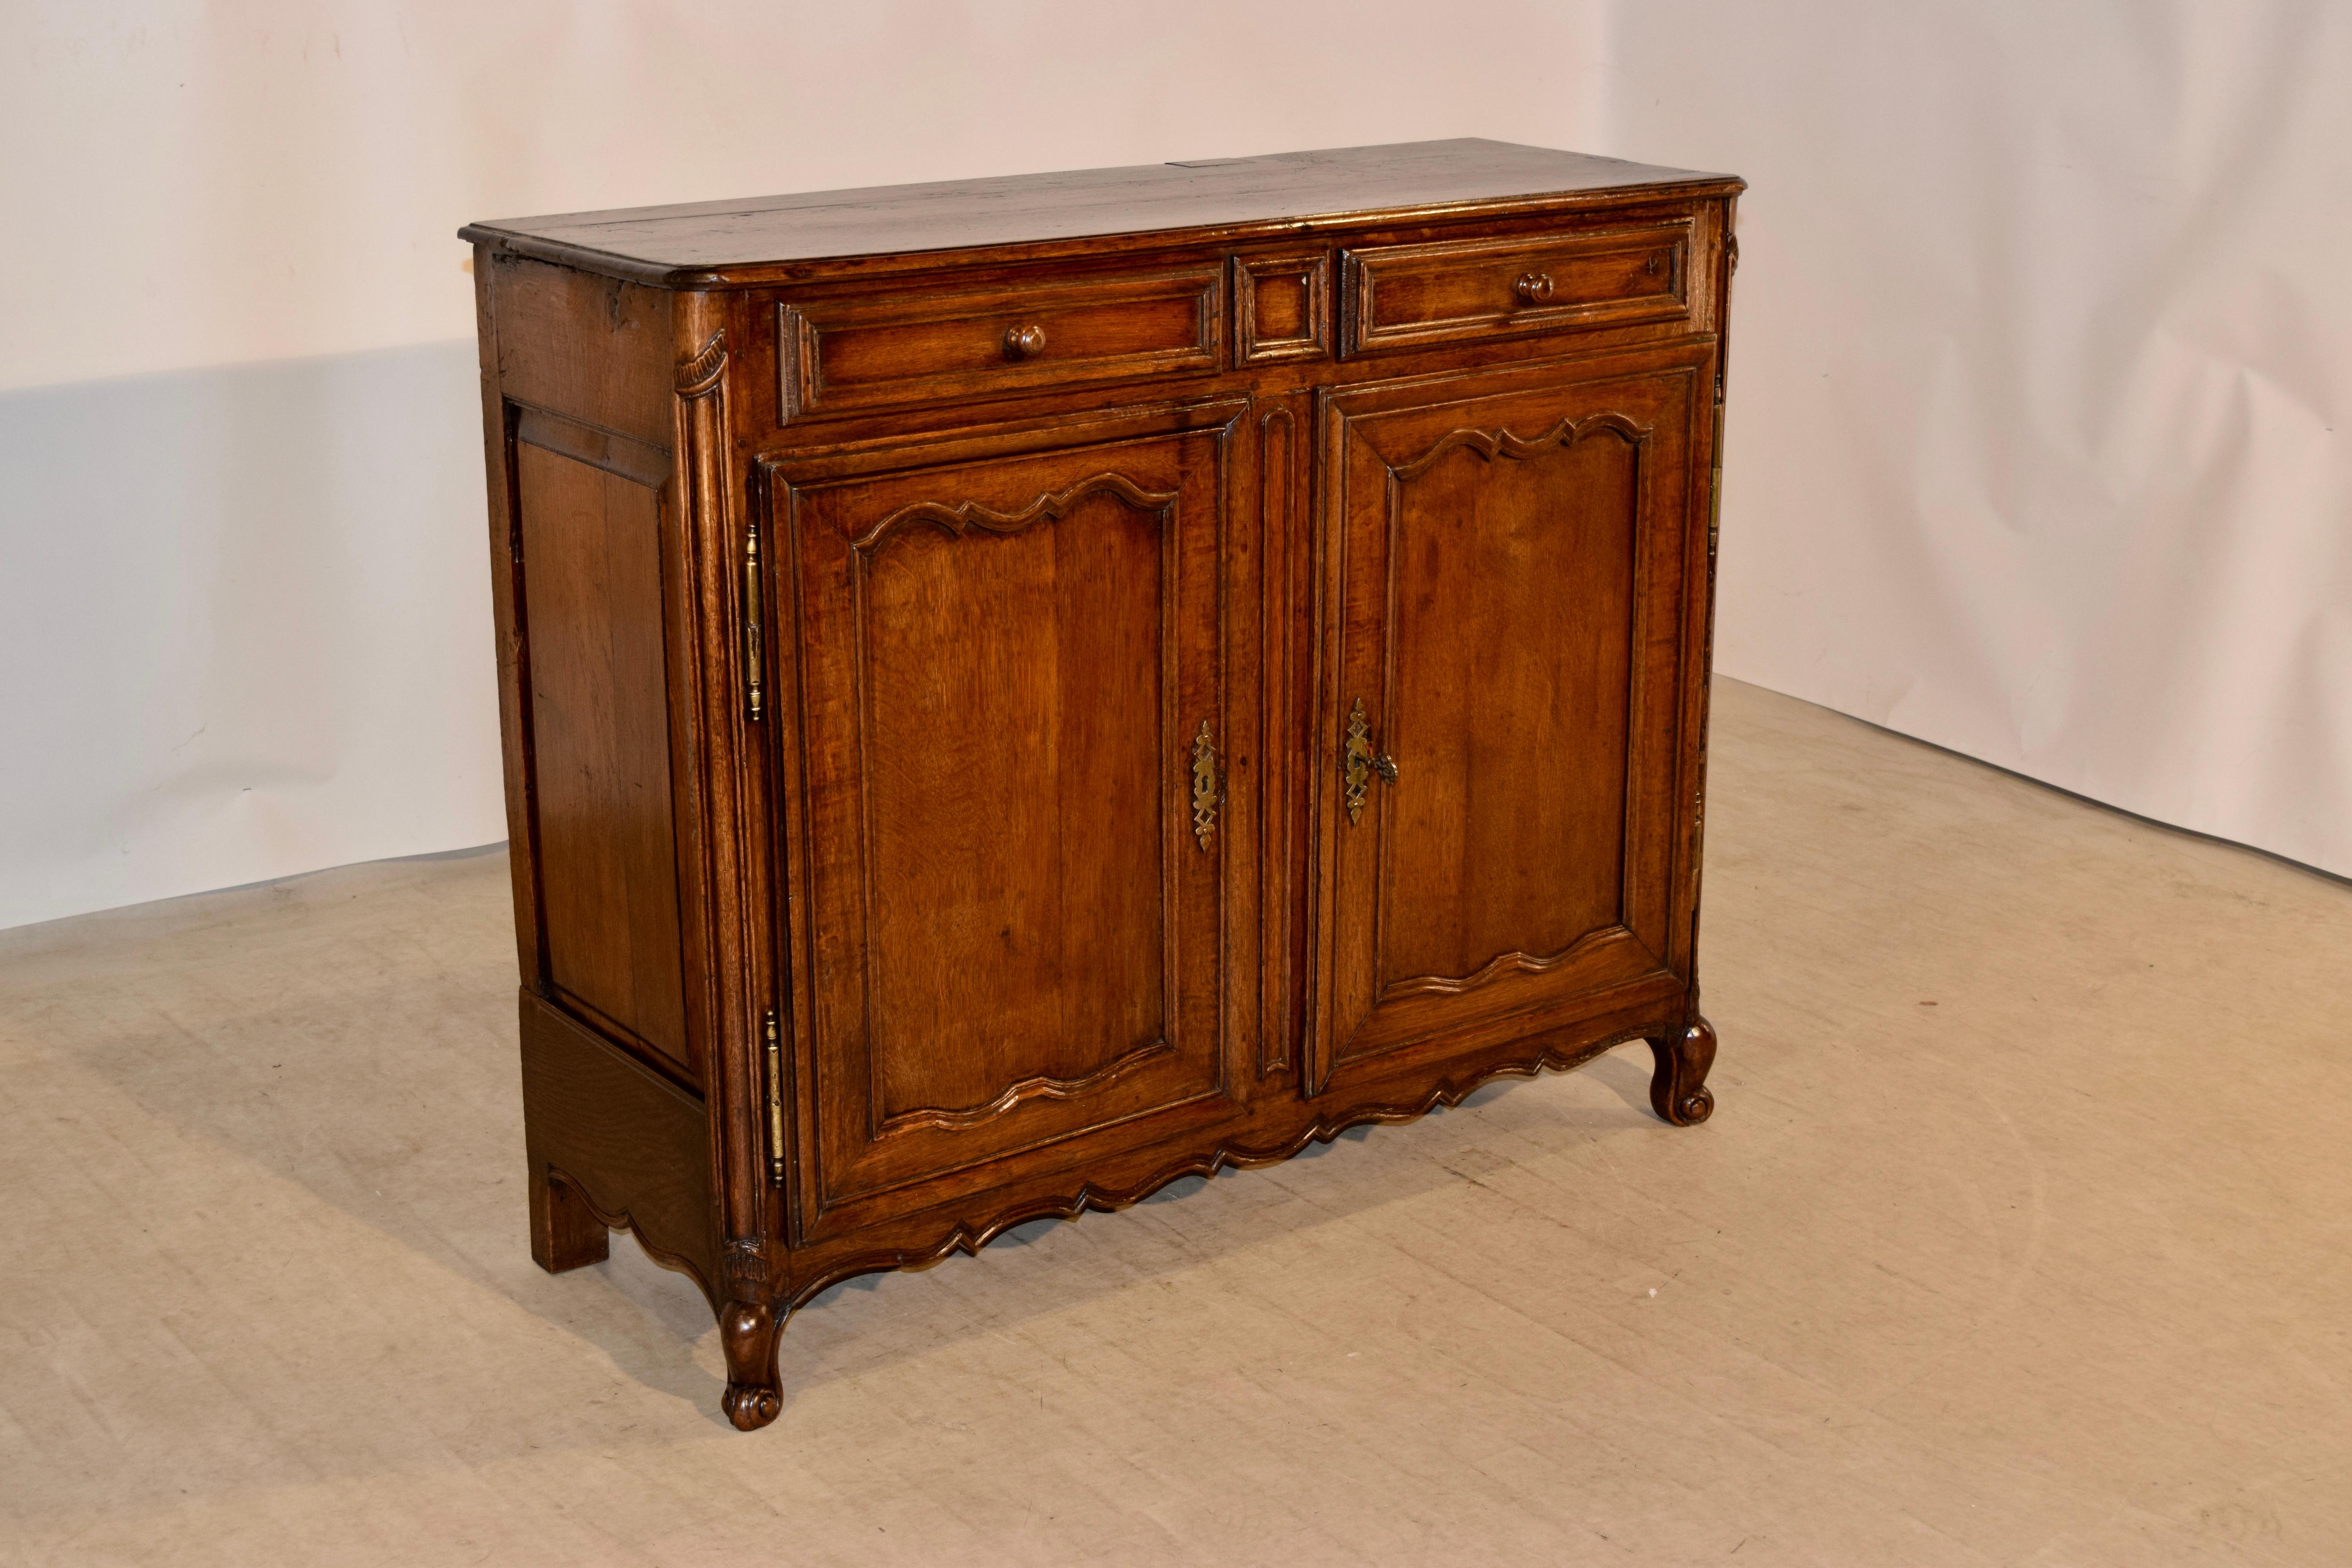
(2033, 446)
(2042, 363)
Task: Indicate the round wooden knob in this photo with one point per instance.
(1024, 342)
(1534, 288)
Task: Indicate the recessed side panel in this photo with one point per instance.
(599, 746)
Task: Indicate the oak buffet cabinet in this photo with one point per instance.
(1018, 691)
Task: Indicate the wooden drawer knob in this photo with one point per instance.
(1024, 343)
(1533, 288)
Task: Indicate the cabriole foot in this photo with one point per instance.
(1678, 1090)
(748, 1330)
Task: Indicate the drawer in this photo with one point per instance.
(1408, 296)
(923, 343)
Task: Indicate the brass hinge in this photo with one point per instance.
(775, 1102)
(754, 702)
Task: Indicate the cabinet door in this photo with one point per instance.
(1500, 718)
(1012, 720)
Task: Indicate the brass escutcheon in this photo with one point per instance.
(1208, 793)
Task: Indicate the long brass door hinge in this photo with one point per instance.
(775, 1100)
(754, 698)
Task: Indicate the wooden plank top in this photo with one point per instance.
(717, 242)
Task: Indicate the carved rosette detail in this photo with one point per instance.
(745, 1268)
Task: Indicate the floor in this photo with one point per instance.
(2023, 1233)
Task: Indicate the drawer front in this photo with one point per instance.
(1409, 296)
(1282, 308)
(923, 345)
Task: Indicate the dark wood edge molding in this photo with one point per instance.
(1279, 553)
(621, 456)
(1038, 1088)
(1501, 964)
(586, 1015)
(1051, 507)
(753, 275)
(871, 457)
(725, 808)
(1704, 519)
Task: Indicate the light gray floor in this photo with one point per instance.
(2023, 1233)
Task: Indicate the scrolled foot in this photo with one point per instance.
(1678, 1090)
(747, 1331)
(751, 1408)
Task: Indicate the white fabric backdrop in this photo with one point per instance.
(2037, 379)
(2041, 365)
(244, 576)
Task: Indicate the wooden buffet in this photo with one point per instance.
(1018, 691)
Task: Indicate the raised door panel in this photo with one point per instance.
(1499, 738)
(1014, 726)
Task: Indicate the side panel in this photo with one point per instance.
(634, 1145)
(592, 349)
(579, 412)
(600, 754)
